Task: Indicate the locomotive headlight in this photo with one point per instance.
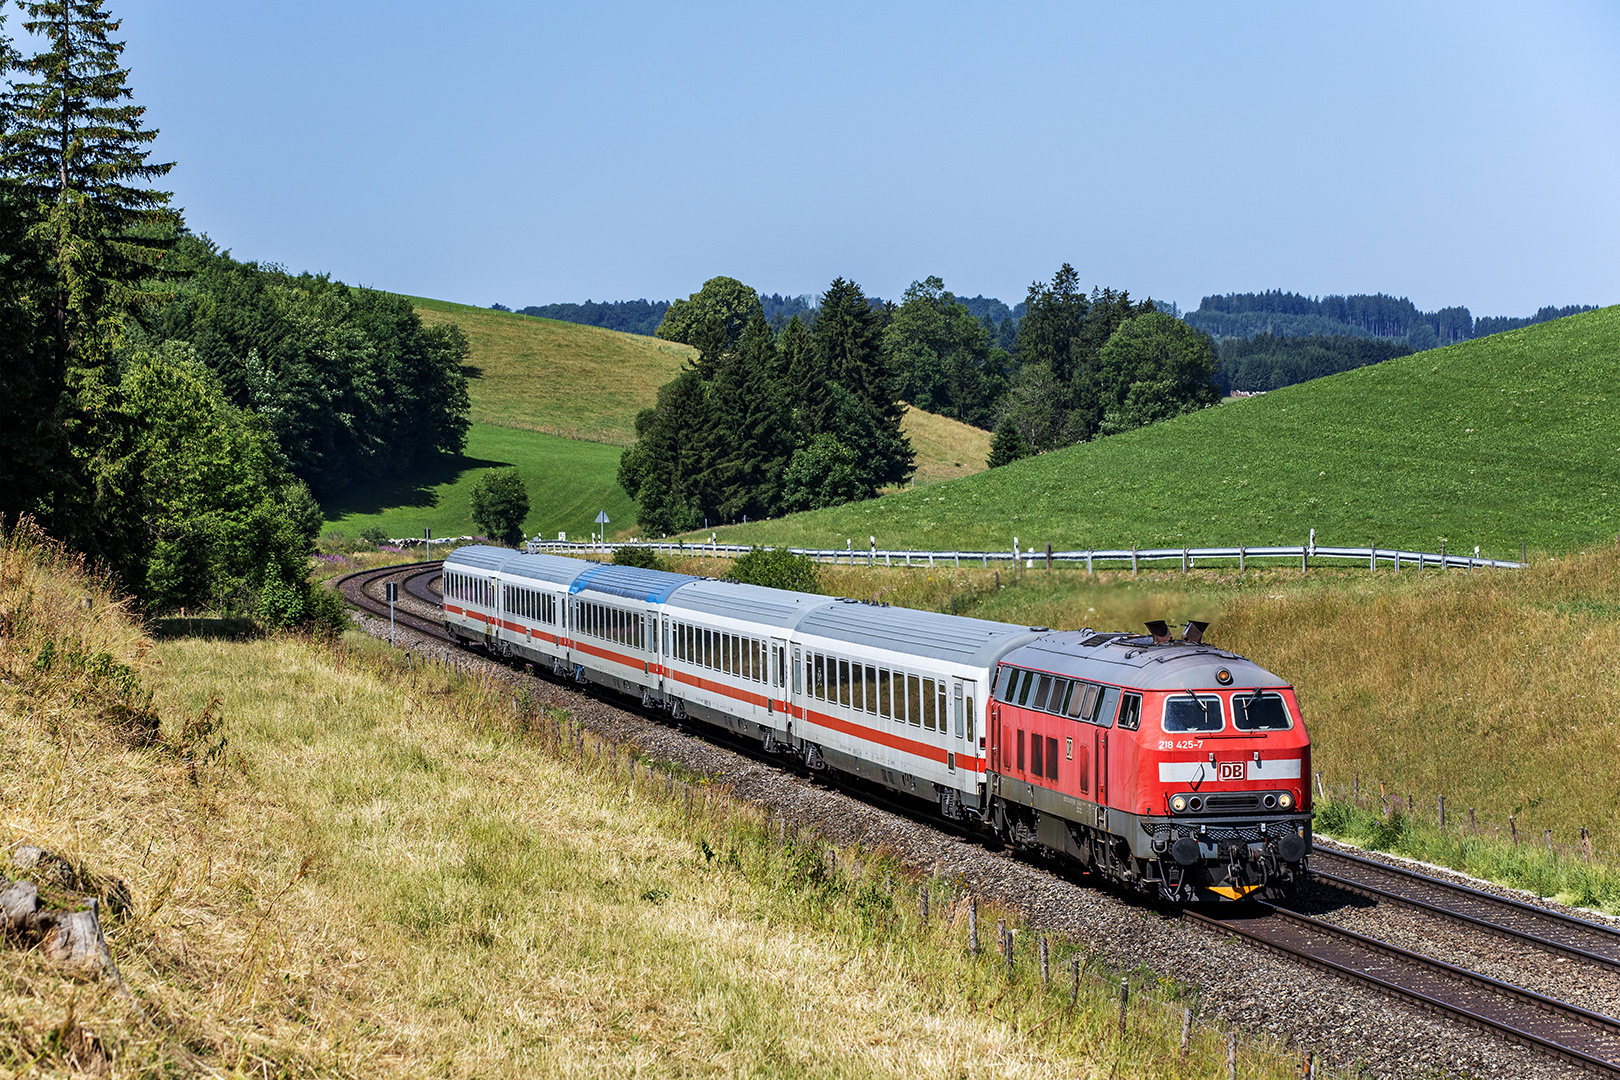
(1285, 800)
(1179, 803)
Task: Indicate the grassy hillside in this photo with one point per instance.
(579, 382)
(1492, 442)
(569, 482)
(946, 449)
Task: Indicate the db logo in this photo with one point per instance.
(1231, 770)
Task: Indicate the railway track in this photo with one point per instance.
(416, 578)
(1576, 1035)
(1536, 926)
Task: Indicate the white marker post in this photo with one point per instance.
(427, 538)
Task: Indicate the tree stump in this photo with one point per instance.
(18, 902)
(72, 940)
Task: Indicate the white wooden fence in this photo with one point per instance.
(1187, 557)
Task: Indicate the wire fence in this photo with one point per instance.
(1188, 558)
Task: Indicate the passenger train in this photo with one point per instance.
(1161, 763)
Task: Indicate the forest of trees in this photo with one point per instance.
(1269, 362)
(164, 409)
(769, 421)
(1288, 314)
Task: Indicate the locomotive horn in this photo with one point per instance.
(1193, 632)
(1160, 631)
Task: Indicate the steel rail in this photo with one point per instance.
(353, 589)
(1538, 926)
(1521, 1015)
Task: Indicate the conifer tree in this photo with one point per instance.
(75, 156)
(77, 152)
(1007, 446)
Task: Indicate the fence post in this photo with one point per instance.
(1049, 554)
(1442, 811)
(1513, 829)
(1074, 987)
(1186, 1032)
(1319, 789)
(1473, 822)
(973, 925)
(1547, 835)
(1183, 558)
(1241, 556)
(922, 901)
(1124, 1000)
(1586, 844)
(1133, 560)
(1442, 556)
(1355, 789)
(1046, 970)
(1372, 558)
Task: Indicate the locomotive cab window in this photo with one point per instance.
(1186, 712)
(1260, 712)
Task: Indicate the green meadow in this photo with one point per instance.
(1495, 442)
(569, 482)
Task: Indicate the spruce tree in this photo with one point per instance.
(1008, 445)
(75, 156)
(77, 152)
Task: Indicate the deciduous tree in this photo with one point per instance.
(500, 502)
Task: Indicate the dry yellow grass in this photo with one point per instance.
(946, 449)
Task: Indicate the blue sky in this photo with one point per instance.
(533, 152)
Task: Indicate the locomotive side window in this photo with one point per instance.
(1020, 751)
(1003, 678)
(1025, 687)
(1186, 712)
(1051, 759)
(1130, 712)
(1043, 689)
(1037, 762)
(883, 693)
(914, 700)
(1260, 712)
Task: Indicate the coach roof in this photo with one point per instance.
(630, 582)
(953, 638)
(778, 608)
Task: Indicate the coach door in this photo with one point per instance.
(492, 629)
(778, 679)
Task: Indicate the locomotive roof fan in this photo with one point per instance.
(1160, 631)
(1193, 632)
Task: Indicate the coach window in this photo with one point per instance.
(843, 683)
(1260, 712)
(883, 693)
(819, 681)
(796, 688)
(727, 654)
(1189, 712)
(871, 690)
(930, 716)
(914, 700)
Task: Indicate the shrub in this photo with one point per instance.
(373, 535)
(644, 557)
(778, 568)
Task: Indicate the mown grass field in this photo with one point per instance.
(946, 449)
(1493, 442)
(569, 482)
(342, 865)
(577, 382)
